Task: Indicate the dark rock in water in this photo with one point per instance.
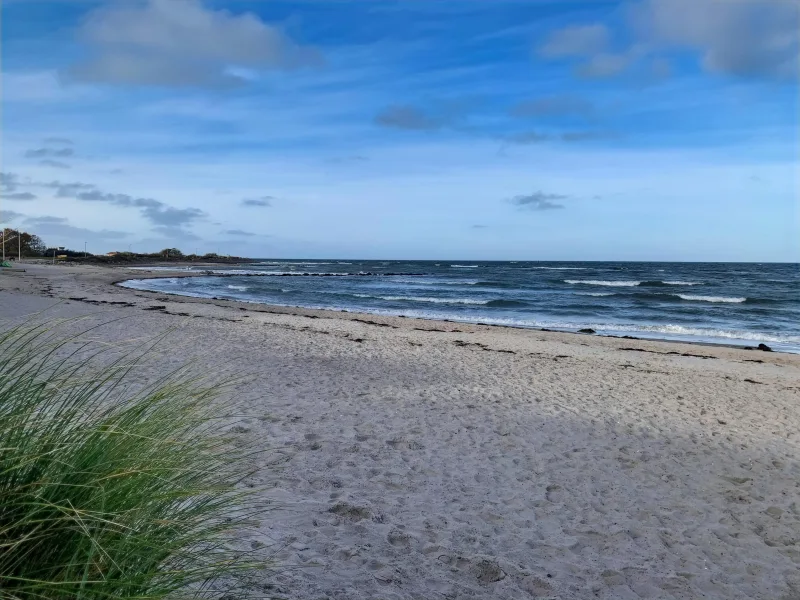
(764, 347)
(587, 330)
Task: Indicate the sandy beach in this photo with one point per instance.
(428, 459)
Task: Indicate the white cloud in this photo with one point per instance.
(605, 65)
(745, 38)
(579, 40)
(182, 43)
(741, 37)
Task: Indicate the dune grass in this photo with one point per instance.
(111, 487)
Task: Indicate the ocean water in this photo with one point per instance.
(710, 302)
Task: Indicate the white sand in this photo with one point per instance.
(540, 465)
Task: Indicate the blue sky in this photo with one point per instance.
(510, 129)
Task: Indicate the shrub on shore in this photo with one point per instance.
(106, 490)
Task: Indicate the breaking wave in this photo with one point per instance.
(711, 298)
(600, 282)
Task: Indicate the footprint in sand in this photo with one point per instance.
(554, 493)
(536, 587)
(399, 539)
(487, 571)
(349, 512)
(401, 442)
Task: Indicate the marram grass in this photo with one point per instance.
(110, 488)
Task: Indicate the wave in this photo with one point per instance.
(498, 284)
(434, 300)
(250, 273)
(292, 263)
(601, 282)
(425, 299)
(184, 269)
(665, 331)
(431, 281)
(710, 298)
(561, 268)
(704, 332)
(595, 294)
(473, 301)
(464, 266)
(658, 283)
(240, 288)
(506, 303)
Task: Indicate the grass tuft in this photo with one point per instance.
(111, 486)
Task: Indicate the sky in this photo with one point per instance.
(405, 129)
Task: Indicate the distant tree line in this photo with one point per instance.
(31, 245)
(15, 242)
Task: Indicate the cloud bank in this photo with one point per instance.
(181, 43)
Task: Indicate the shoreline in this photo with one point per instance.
(638, 335)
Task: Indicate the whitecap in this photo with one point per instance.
(187, 269)
(425, 299)
(710, 298)
(600, 282)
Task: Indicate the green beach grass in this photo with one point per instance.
(110, 487)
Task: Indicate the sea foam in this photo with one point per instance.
(600, 282)
(711, 298)
(425, 299)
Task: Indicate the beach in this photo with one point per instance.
(419, 459)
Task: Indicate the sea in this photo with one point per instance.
(728, 303)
